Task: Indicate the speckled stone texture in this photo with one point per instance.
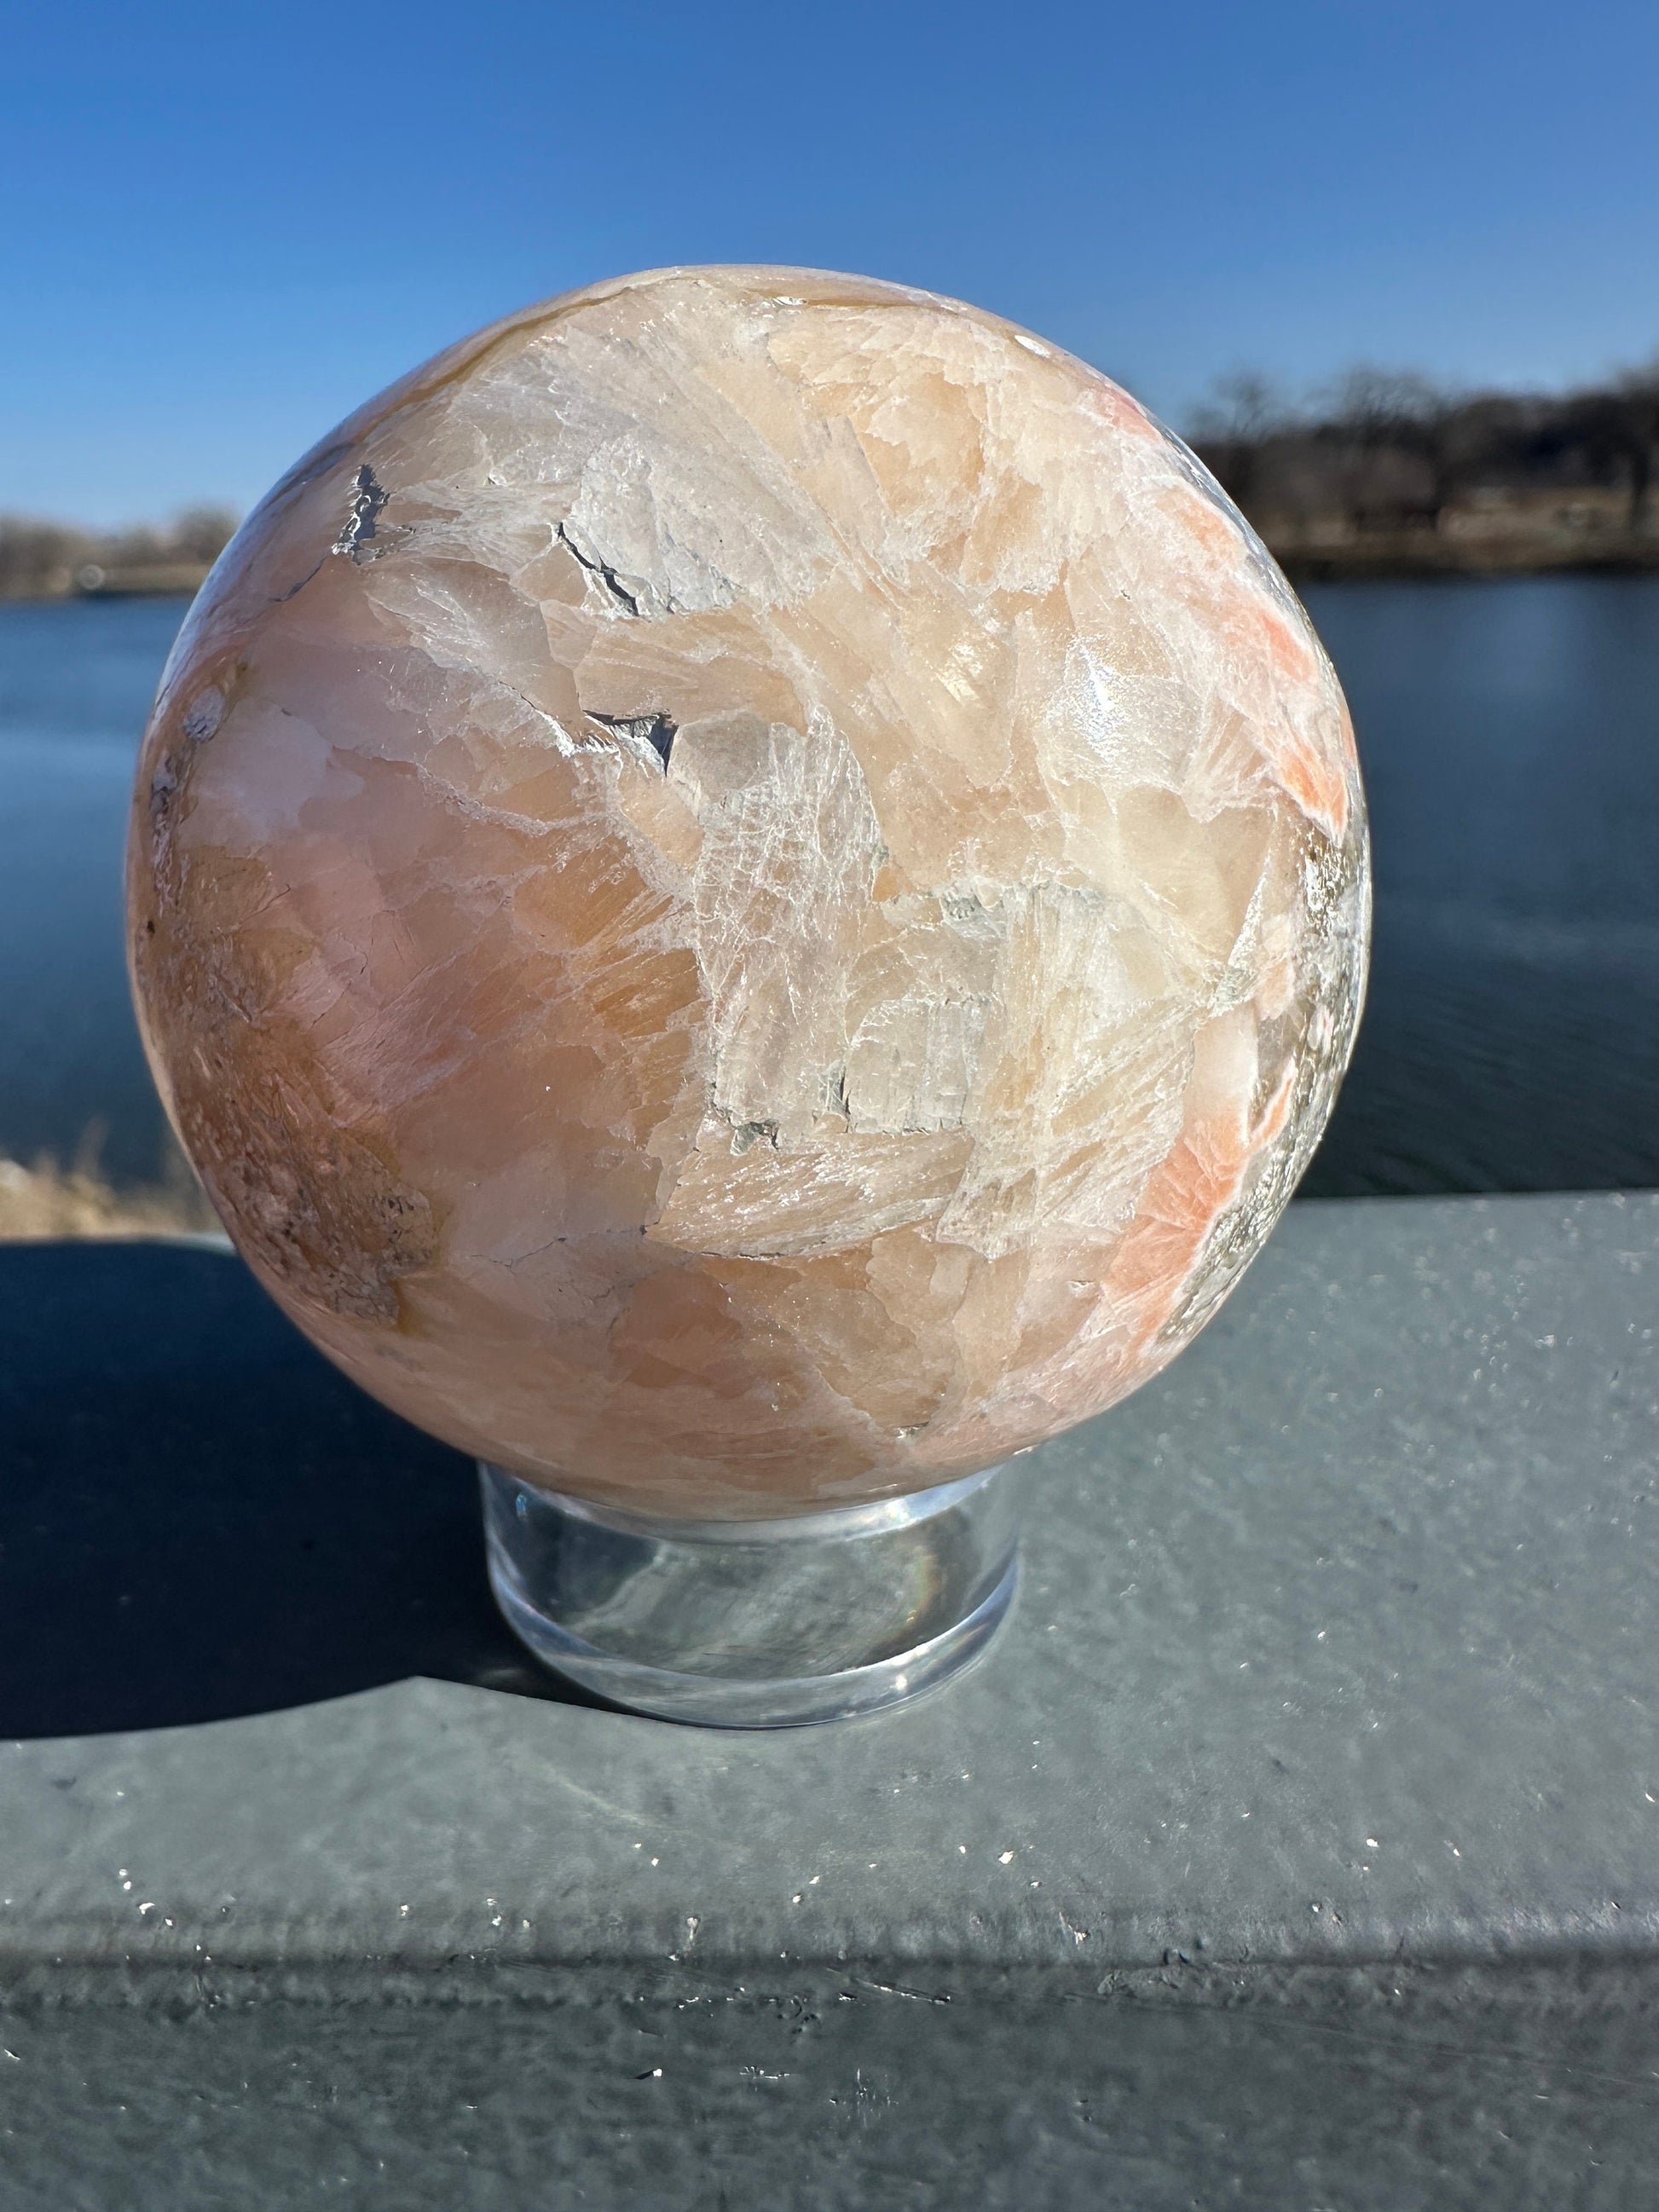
(748, 891)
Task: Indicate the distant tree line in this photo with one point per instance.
(1384, 459)
(1391, 451)
(52, 560)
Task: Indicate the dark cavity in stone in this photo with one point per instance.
(368, 500)
(657, 731)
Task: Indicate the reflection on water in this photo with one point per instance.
(1510, 737)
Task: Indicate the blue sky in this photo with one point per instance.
(224, 225)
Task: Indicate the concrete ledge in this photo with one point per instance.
(1298, 1845)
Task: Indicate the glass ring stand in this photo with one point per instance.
(757, 1624)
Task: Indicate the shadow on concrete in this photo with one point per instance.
(199, 1518)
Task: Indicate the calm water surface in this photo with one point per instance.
(1510, 737)
(76, 684)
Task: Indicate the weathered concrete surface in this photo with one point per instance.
(1298, 1845)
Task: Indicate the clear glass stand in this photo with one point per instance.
(757, 1624)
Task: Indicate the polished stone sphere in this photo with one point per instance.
(748, 891)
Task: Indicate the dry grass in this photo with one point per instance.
(47, 1201)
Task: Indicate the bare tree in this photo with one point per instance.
(1637, 392)
(43, 560)
(1394, 423)
(1385, 449)
(202, 533)
(39, 558)
(1233, 426)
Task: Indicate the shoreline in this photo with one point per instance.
(1307, 557)
(170, 580)
(1414, 556)
(1422, 556)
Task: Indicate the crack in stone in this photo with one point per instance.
(607, 576)
(295, 590)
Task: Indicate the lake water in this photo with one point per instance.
(1509, 732)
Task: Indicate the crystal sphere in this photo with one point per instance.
(748, 891)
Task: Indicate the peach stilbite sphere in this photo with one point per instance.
(748, 891)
